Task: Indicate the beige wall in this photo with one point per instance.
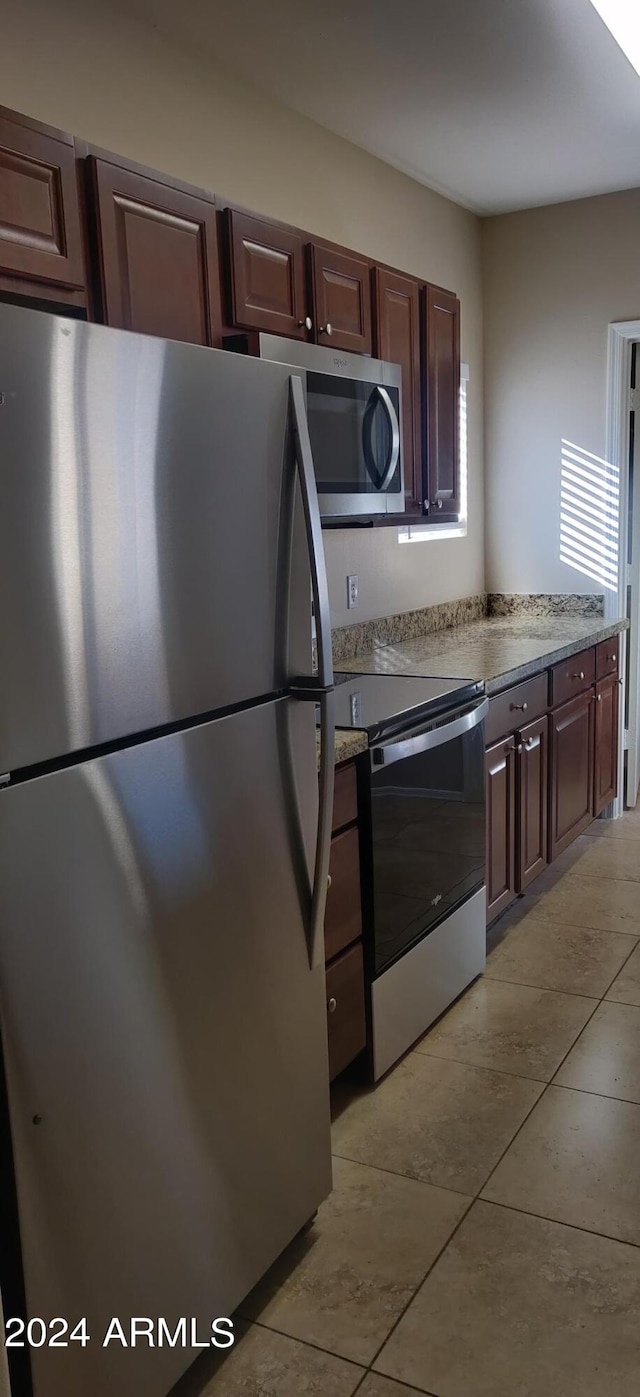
(554, 279)
(99, 74)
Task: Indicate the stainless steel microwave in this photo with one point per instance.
(355, 425)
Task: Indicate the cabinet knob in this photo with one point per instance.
(520, 707)
(598, 698)
(332, 1005)
(306, 324)
(326, 329)
(436, 504)
(530, 742)
(578, 676)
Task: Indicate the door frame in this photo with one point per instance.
(621, 335)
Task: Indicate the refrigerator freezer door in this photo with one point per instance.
(149, 568)
(164, 1037)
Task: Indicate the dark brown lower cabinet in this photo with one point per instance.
(547, 779)
(500, 786)
(531, 786)
(606, 742)
(343, 917)
(345, 1009)
(572, 761)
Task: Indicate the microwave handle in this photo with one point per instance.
(385, 398)
(385, 755)
(311, 508)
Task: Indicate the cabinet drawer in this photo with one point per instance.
(607, 656)
(345, 797)
(346, 1021)
(516, 706)
(573, 676)
(343, 917)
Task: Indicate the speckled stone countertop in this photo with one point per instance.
(348, 745)
(500, 650)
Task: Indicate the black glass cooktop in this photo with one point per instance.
(381, 704)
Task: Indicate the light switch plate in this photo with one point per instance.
(352, 591)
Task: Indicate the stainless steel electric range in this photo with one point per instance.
(421, 793)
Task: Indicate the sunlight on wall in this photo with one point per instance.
(589, 515)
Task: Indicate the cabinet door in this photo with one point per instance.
(343, 917)
(397, 339)
(158, 256)
(266, 275)
(500, 789)
(346, 1016)
(532, 791)
(40, 237)
(606, 743)
(442, 370)
(341, 299)
(571, 788)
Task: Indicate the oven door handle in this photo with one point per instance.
(386, 754)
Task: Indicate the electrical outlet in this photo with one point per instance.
(352, 591)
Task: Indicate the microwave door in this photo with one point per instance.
(377, 443)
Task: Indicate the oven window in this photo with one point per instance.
(351, 426)
(428, 828)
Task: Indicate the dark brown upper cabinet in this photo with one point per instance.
(41, 243)
(267, 276)
(341, 299)
(158, 259)
(396, 304)
(442, 398)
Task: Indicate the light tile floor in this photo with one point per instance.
(483, 1236)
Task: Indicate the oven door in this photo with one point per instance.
(428, 829)
(354, 426)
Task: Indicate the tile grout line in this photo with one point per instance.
(398, 1173)
(477, 1196)
(551, 1080)
(557, 1222)
(549, 989)
(472, 1199)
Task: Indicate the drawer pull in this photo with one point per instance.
(332, 1005)
(520, 706)
(580, 675)
(328, 880)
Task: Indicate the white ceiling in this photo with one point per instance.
(501, 104)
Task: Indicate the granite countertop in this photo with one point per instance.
(499, 650)
(348, 745)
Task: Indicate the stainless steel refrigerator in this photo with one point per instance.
(163, 845)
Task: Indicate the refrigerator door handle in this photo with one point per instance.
(325, 821)
(307, 478)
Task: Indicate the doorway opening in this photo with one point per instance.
(623, 451)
